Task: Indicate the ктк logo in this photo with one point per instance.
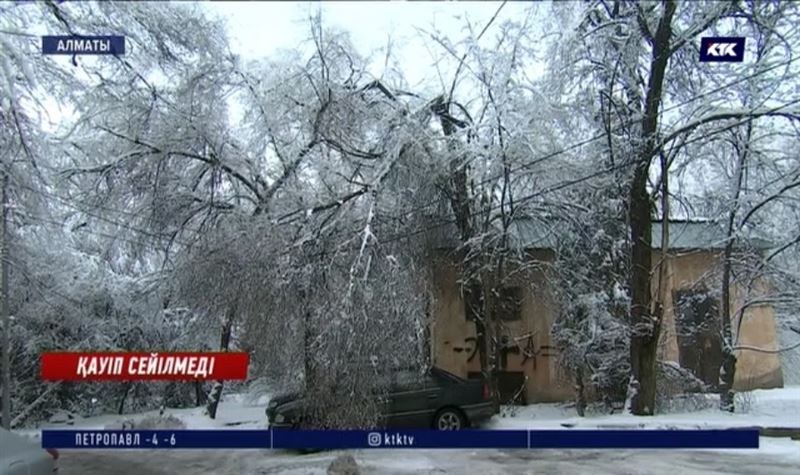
(727, 49)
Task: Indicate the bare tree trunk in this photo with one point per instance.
(121, 405)
(474, 298)
(308, 367)
(199, 394)
(6, 397)
(580, 393)
(661, 289)
(224, 345)
(646, 324)
(644, 327)
(490, 366)
(727, 372)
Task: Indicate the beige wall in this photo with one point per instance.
(454, 337)
(757, 369)
(753, 369)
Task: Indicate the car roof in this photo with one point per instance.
(446, 374)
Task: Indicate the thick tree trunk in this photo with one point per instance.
(642, 324)
(224, 345)
(121, 405)
(199, 394)
(5, 398)
(646, 323)
(475, 306)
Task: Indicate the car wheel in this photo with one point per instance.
(449, 419)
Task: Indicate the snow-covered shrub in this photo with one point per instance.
(68, 299)
(745, 401)
(590, 280)
(594, 346)
(343, 465)
(177, 396)
(156, 422)
(679, 390)
(313, 316)
(674, 380)
(692, 402)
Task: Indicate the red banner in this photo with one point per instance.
(141, 366)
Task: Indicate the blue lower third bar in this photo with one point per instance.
(400, 439)
(155, 439)
(644, 439)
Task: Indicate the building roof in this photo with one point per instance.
(688, 234)
(528, 233)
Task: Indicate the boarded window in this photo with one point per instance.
(698, 328)
(509, 303)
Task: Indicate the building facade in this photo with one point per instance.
(529, 364)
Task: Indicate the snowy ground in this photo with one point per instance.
(405, 462)
(236, 411)
(766, 408)
(760, 408)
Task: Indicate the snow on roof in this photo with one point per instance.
(700, 234)
(524, 233)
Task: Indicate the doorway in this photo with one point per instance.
(698, 328)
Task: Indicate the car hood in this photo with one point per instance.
(281, 399)
(293, 406)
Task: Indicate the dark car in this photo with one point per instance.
(437, 400)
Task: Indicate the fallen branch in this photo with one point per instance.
(27, 411)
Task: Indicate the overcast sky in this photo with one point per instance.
(259, 29)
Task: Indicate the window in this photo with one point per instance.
(509, 303)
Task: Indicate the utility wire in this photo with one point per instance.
(557, 187)
(599, 136)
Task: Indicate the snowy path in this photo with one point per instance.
(485, 462)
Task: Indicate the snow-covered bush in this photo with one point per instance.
(157, 421)
(674, 380)
(594, 348)
(590, 277)
(679, 390)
